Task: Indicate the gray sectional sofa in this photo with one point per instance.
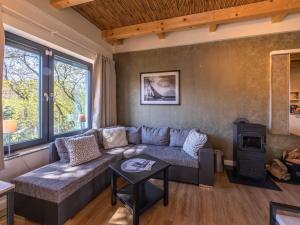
(56, 192)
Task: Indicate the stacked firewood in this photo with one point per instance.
(279, 170)
(277, 167)
(292, 156)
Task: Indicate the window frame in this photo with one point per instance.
(52, 136)
(46, 115)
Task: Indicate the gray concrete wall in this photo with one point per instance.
(220, 81)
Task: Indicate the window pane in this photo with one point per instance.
(21, 88)
(70, 95)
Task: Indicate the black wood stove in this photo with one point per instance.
(249, 141)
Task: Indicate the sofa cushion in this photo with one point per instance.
(172, 155)
(136, 150)
(194, 141)
(178, 136)
(155, 136)
(134, 135)
(82, 149)
(114, 137)
(62, 148)
(57, 181)
(118, 152)
(100, 137)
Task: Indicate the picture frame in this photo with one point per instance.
(160, 88)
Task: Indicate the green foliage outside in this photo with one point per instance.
(22, 94)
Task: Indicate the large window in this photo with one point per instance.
(45, 92)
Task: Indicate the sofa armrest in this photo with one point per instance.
(206, 166)
(53, 155)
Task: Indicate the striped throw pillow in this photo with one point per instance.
(194, 142)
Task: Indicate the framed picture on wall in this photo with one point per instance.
(160, 88)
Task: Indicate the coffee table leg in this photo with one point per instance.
(136, 204)
(166, 187)
(10, 208)
(113, 188)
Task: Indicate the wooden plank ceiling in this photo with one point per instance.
(109, 14)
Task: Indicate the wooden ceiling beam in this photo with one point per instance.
(213, 27)
(61, 4)
(116, 42)
(161, 35)
(278, 18)
(226, 15)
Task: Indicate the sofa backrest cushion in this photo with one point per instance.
(100, 137)
(82, 149)
(178, 136)
(155, 136)
(114, 137)
(194, 141)
(134, 135)
(62, 148)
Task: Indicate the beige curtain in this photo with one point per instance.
(2, 42)
(280, 92)
(104, 93)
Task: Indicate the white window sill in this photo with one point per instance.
(26, 151)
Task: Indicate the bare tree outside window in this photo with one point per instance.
(70, 95)
(22, 93)
(21, 78)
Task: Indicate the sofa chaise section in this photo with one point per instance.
(56, 192)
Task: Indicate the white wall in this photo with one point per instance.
(201, 35)
(64, 30)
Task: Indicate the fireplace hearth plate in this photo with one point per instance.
(268, 183)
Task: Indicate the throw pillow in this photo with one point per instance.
(100, 135)
(133, 135)
(194, 142)
(61, 147)
(178, 136)
(155, 136)
(114, 137)
(82, 149)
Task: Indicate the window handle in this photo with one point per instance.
(52, 96)
(46, 96)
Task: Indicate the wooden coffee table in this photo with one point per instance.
(139, 194)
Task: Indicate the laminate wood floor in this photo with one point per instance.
(225, 204)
